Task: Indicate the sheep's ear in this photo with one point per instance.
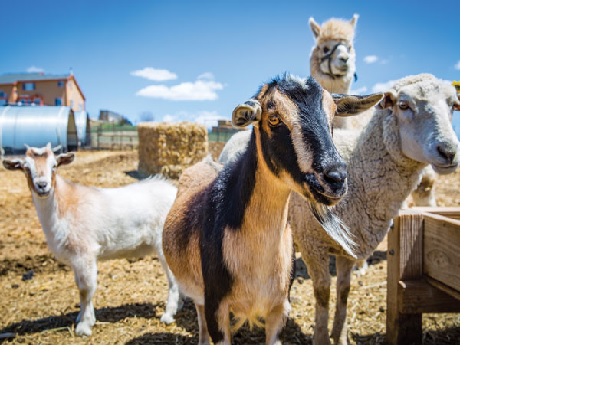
(354, 20)
(65, 158)
(246, 113)
(316, 29)
(13, 164)
(389, 100)
(350, 105)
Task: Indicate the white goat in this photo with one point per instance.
(412, 128)
(227, 237)
(83, 224)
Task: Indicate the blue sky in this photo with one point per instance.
(192, 60)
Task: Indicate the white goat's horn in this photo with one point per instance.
(57, 148)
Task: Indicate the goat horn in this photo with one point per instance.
(57, 148)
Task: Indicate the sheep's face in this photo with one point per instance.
(39, 166)
(293, 135)
(418, 123)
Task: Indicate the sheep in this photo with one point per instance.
(411, 128)
(84, 224)
(227, 237)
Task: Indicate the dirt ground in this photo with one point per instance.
(40, 301)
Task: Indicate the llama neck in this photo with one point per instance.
(377, 186)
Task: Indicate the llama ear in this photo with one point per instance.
(350, 105)
(246, 113)
(13, 164)
(354, 20)
(316, 29)
(389, 100)
(65, 158)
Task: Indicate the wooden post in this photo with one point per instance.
(404, 264)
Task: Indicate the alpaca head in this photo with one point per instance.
(333, 58)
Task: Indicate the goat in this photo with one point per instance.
(227, 237)
(83, 224)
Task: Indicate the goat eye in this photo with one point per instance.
(403, 105)
(326, 49)
(274, 120)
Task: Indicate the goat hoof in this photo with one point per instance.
(83, 329)
(167, 319)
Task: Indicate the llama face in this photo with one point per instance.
(336, 58)
(39, 166)
(419, 122)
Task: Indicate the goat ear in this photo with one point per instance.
(350, 105)
(12, 164)
(316, 29)
(389, 100)
(65, 158)
(354, 20)
(246, 113)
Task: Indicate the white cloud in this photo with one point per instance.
(362, 90)
(204, 88)
(208, 119)
(151, 73)
(383, 87)
(457, 65)
(370, 59)
(34, 69)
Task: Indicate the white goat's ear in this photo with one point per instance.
(354, 20)
(13, 164)
(389, 100)
(246, 113)
(65, 158)
(350, 105)
(316, 29)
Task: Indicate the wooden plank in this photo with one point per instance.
(444, 288)
(418, 296)
(449, 212)
(441, 249)
(405, 258)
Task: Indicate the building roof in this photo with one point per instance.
(12, 78)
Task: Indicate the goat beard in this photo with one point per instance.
(334, 227)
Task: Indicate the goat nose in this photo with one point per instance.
(447, 153)
(42, 184)
(336, 174)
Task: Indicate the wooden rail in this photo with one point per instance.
(423, 270)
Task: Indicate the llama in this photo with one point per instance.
(83, 224)
(227, 237)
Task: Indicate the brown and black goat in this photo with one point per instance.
(227, 238)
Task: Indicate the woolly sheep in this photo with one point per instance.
(412, 128)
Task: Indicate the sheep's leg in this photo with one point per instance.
(86, 278)
(202, 329)
(175, 299)
(339, 331)
(275, 321)
(317, 265)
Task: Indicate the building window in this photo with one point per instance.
(60, 83)
(28, 86)
(37, 101)
(3, 102)
(58, 101)
(2, 94)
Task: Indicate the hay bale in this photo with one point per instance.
(169, 148)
